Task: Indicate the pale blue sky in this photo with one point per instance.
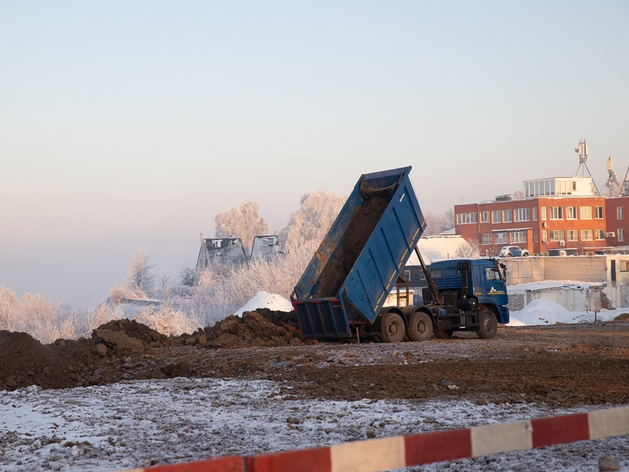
(128, 126)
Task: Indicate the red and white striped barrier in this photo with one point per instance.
(404, 451)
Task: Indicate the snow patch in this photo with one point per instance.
(272, 301)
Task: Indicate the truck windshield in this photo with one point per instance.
(492, 273)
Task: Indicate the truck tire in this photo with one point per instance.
(392, 328)
(419, 327)
(488, 325)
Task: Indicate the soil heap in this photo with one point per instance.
(108, 354)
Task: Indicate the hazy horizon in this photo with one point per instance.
(127, 127)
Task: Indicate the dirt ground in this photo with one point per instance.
(563, 365)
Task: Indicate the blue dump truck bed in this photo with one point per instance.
(358, 262)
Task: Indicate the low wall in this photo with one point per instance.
(523, 270)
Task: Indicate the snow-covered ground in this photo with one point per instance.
(134, 424)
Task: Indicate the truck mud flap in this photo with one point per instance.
(322, 318)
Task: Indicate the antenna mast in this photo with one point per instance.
(615, 189)
(582, 151)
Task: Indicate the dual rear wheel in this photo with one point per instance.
(392, 328)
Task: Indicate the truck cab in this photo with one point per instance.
(470, 294)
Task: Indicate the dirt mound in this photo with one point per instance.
(125, 336)
(622, 317)
(260, 328)
(24, 361)
(123, 349)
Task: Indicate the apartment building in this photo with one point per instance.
(555, 213)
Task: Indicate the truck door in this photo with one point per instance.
(477, 279)
(496, 286)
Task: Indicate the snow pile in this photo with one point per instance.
(540, 312)
(272, 301)
(547, 312)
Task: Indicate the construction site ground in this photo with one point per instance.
(250, 385)
(563, 365)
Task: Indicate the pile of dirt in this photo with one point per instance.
(260, 328)
(25, 361)
(126, 336)
(116, 350)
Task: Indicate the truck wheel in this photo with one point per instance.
(392, 328)
(488, 325)
(444, 333)
(419, 327)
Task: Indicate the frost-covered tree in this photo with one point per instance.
(10, 307)
(438, 223)
(140, 278)
(188, 277)
(243, 222)
(471, 248)
(312, 221)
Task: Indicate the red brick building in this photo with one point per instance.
(559, 213)
(617, 211)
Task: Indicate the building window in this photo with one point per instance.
(586, 213)
(407, 275)
(487, 238)
(556, 213)
(623, 266)
(507, 216)
(523, 214)
(587, 235)
(535, 236)
(621, 235)
(571, 213)
(599, 234)
(467, 218)
(501, 238)
(534, 213)
(556, 235)
(572, 235)
(496, 216)
(598, 212)
(484, 217)
(518, 237)
(619, 213)
(544, 236)
(543, 213)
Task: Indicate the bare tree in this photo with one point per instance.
(243, 222)
(312, 221)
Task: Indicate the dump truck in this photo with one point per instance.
(343, 289)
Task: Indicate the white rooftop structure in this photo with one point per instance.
(560, 186)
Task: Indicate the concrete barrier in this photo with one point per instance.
(376, 455)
